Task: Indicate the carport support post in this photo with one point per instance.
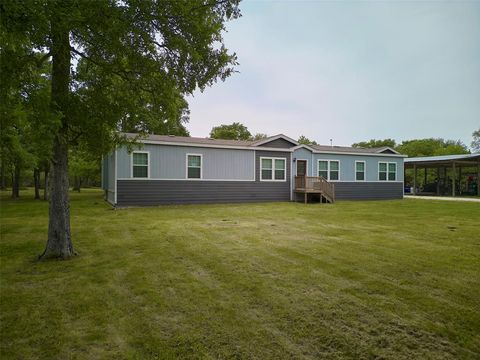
(414, 179)
(438, 181)
(478, 178)
(453, 178)
(460, 180)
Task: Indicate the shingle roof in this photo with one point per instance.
(191, 140)
(248, 143)
(347, 149)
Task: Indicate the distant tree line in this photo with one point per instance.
(234, 131)
(419, 147)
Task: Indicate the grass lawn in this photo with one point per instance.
(360, 280)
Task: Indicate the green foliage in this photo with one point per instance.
(373, 143)
(419, 147)
(476, 141)
(25, 118)
(135, 60)
(306, 141)
(235, 131)
(259, 136)
(84, 166)
(431, 147)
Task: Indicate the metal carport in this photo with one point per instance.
(454, 162)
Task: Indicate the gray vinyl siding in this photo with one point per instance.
(347, 165)
(169, 162)
(160, 192)
(157, 192)
(368, 190)
(278, 143)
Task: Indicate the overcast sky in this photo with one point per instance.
(350, 71)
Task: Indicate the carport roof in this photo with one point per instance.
(463, 159)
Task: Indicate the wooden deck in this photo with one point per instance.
(315, 185)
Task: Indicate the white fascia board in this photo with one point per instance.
(304, 147)
(213, 146)
(387, 148)
(359, 154)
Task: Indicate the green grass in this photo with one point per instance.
(360, 280)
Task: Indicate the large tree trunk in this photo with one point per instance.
(36, 182)
(59, 244)
(16, 182)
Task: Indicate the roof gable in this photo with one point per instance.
(387, 150)
(277, 141)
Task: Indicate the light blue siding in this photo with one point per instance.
(347, 165)
(303, 154)
(111, 172)
(169, 162)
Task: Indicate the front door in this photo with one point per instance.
(301, 167)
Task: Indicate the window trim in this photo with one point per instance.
(186, 166)
(132, 165)
(328, 168)
(364, 170)
(273, 169)
(387, 171)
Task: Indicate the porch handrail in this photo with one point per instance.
(316, 183)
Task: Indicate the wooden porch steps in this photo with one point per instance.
(315, 185)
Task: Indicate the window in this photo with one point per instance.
(387, 171)
(329, 169)
(273, 169)
(382, 171)
(194, 166)
(323, 168)
(267, 167)
(359, 170)
(392, 171)
(279, 169)
(140, 164)
(334, 170)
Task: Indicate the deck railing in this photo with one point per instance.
(315, 184)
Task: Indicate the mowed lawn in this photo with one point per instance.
(354, 280)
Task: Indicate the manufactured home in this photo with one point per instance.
(184, 170)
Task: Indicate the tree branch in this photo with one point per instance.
(123, 74)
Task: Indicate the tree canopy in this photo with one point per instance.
(373, 143)
(306, 141)
(234, 131)
(476, 141)
(431, 147)
(259, 136)
(110, 65)
(419, 147)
